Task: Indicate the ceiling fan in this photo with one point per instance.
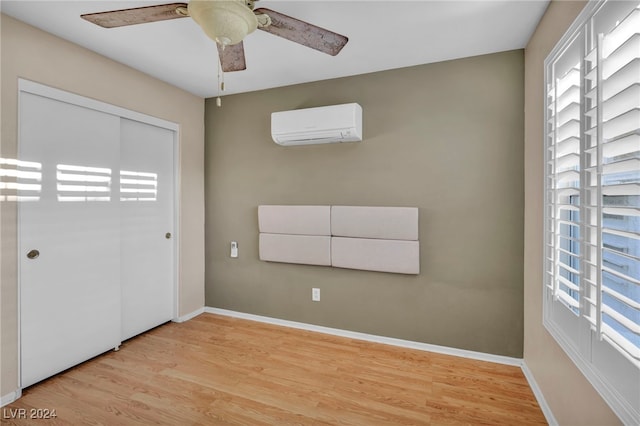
(227, 22)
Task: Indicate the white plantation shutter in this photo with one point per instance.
(614, 308)
(592, 199)
(564, 184)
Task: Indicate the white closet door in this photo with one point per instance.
(69, 221)
(147, 241)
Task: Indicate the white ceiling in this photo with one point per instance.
(382, 35)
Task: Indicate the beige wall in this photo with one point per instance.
(447, 138)
(32, 54)
(570, 396)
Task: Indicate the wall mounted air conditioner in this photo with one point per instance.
(328, 124)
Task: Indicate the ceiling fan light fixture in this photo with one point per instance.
(227, 22)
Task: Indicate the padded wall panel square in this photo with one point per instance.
(298, 220)
(390, 223)
(304, 249)
(396, 256)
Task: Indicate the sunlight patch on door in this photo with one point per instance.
(20, 180)
(138, 186)
(83, 184)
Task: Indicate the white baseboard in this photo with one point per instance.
(371, 337)
(537, 392)
(189, 316)
(10, 397)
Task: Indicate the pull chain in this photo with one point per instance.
(220, 80)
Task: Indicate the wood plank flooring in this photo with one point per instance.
(216, 370)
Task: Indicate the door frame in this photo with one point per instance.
(32, 87)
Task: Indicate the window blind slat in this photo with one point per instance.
(622, 32)
(568, 283)
(621, 125)
(632, 326)
(570, 145)
(622, 189)
(621, 56)
(623, 101)
(628, 301)
(621, 79)
(570, 129)
(628, 166)
(624, 146)
(573, 303)
(568, 114)
(624, 278)
(569, 161)
(624, 234)
(621, 211)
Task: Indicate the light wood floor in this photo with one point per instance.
(215, 370)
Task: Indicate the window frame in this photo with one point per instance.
(569, 328)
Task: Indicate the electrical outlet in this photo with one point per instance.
(315, 294)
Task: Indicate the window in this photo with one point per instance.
(592, 200)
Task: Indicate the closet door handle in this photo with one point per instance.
(167, 235)
(33, 254)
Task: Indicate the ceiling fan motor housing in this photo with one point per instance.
(227, 22)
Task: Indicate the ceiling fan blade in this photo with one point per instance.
(303, 32)
(138, 15)
(232, 57)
